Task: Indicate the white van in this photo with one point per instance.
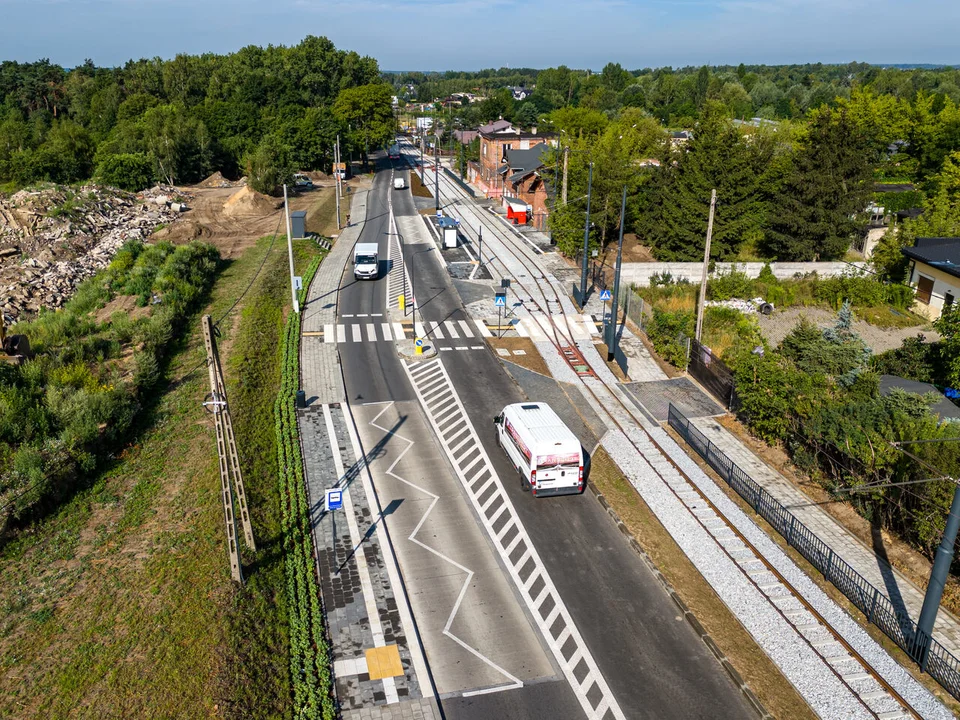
(366, 261)
(546, 454)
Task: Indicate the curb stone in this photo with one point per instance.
(694, 623)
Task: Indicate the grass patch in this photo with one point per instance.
(417, 187)
(120, 603)
(322, 214)
(775, 692)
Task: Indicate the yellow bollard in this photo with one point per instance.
(401, 301)
(418, 344)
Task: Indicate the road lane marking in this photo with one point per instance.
(328, 336)
(385, 328)
(465, 327)
(484, 330)
(341, 334)
(356, 333)
(398, 331)
(519, 545)
(412, 537)
(371, 332)
(451, 330)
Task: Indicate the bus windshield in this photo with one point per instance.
(565, 460)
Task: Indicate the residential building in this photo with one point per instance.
(519, 94)
(465, 137)
(524, 188)
(935, 272)
(680, 137)
(496, 139)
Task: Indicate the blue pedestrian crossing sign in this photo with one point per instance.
(500, 300)
(605, 295)
(334, 499)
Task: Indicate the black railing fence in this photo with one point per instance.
(932, 657)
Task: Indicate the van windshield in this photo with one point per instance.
(366, 259)
(565, 460)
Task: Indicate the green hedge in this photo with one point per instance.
(309, 653)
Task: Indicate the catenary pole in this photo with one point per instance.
(706, 265)
(612, 330)
(938, 579)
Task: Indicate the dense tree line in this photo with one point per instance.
(179, 120)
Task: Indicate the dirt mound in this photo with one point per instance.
(217, 180)
(248, 202)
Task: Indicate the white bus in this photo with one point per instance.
(546, 454)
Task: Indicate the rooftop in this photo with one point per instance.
(937, 252)
(943, 407)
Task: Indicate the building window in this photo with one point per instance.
(924, 289)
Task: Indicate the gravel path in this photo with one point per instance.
(775, 327)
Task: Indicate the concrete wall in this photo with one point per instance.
(942, 285)
(640, 273)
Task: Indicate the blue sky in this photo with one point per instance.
(474, 34)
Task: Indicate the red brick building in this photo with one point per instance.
(495, 140)
(524, 189)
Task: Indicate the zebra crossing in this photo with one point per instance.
(373, 328)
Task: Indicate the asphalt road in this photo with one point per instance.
(654, 664)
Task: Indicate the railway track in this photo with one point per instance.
(545, 302)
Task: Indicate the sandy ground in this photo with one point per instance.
(234, 228)
(776, 327)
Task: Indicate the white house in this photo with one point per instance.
(935, 273)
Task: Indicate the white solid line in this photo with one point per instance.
(341, 334)
(371, 332)
(482, 327)
(465, 326)
(328, 336)
(385, 329)
(366, 587)
(398, 331)
(516, 683)
(451, 329)
(356, 333)
(501, 497)
(390, 691)
(390, 561)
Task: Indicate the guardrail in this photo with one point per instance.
(929, 654)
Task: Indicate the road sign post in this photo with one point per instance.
(418, 344)
(500, 300)
(605, 298)
(333, 501)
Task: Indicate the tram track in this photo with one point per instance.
(877, 697)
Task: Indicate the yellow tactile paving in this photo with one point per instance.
(384, 662)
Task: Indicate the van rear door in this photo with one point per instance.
(558, 474)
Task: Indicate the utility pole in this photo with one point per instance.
(938, 579)
(480, 249)
(293, 288)
(586, 242)
(566, 163)
(612, 330)
(706, 264)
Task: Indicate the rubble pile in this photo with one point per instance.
(53, 238)
(757, 305)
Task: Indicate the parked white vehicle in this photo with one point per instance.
(366, 261)
(545, 452)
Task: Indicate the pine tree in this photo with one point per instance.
(674, 219)
(813, 216)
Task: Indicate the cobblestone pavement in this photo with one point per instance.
(377, 665)
(900, 590)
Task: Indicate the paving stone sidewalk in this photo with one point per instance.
(902, 593)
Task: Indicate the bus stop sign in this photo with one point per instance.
(334, 499)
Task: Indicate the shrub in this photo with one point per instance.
(669, 332)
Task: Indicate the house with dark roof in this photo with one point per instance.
(524, 188)
(496, 139)
(941, 406)
(935, 273)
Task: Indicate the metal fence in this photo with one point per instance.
(712, 373)
(932, 657)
